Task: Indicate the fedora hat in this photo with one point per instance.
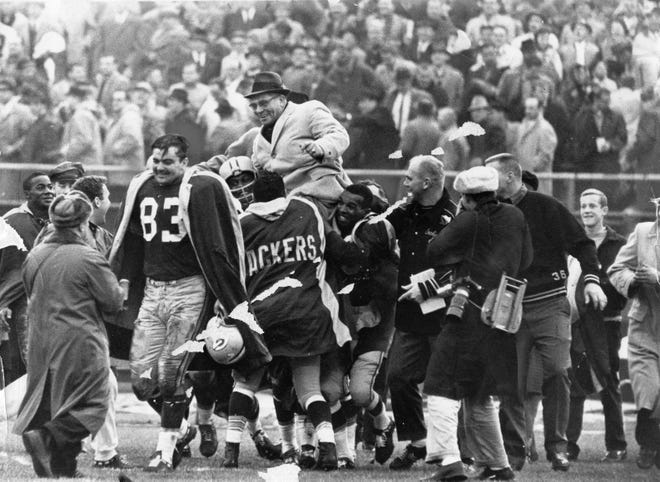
(266, 82)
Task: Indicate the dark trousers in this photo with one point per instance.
(408, 359)
(546, 332)
(512, 409)
(595, 347)
(647, 431)
(66, 434)
(14, 350)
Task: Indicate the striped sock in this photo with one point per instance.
(240, 407)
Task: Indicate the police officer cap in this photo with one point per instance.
(67, 171)
(476, 180)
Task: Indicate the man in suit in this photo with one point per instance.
(450, 78)
(601, 133)
(402, 101)
(245, 17)
(110, 81)
(582, 51)
(301, 142)
(179, 120)
(420, 48)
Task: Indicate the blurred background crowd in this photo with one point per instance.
(566, 85)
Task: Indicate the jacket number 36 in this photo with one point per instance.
(559, 275)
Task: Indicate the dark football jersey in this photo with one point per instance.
(168, 252)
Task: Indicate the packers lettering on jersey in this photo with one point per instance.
(293, 249)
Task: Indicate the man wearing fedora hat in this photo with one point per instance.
(301, 142)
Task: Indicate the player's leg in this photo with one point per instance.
(183, 301)
(307, 383)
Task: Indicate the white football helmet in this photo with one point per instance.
(224, 342)
(240, 175)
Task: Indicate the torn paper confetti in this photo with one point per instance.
(468, 128)
(287, 282)
(396, 155)
(189, 346)
(281, 473)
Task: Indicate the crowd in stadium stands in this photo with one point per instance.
(562, 83)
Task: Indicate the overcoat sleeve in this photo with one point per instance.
(622, 270)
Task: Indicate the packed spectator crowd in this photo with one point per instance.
(96, 83)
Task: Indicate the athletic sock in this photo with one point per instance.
(253, 422)
(419, 443)
(240, 408)
(288, 435)
(166, 442)
(204, 415)
(184, 428)
(305, 430)
(339, 428)
(319, 414)
(350, 410)
(381, 420)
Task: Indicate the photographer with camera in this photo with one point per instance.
(485, 242)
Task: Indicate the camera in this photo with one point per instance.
(462, 290)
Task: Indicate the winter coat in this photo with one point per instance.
(69, 287)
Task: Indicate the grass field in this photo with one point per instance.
(138, 428)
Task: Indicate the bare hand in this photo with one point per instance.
(646, 275)
(5, 315)
(313, 149)
(412, 292)
(593, 294)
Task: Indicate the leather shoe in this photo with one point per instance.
(454, 471)
(615, 456)
(646, 458)
(560, 462)
(37, 444)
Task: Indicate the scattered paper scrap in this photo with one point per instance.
(438, 151)
(189, 346)
(287, 282)
(468, 128)
(346, 289)
(396, 155)
(281, 473)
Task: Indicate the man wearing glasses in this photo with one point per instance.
(301, 142)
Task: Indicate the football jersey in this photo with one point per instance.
(168, 252)
(297, 316)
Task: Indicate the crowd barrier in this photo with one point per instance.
(629, 194)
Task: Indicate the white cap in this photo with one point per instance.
(477, 179)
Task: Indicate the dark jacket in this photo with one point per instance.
(184, 124)
(555, 233)
(415, 226)
(607, 252)
(42, 140)
(373, 137)
(484, 244)
(587, 157)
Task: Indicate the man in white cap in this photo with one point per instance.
(469, 362)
